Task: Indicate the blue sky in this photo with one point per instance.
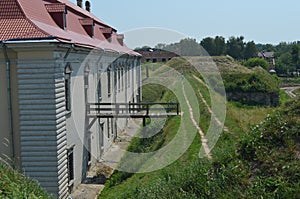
(261, 21)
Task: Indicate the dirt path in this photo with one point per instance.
(225, 128)
(203, 139)
(290, 90)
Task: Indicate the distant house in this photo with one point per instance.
(269, 57)
(156, 55)
(55, 59)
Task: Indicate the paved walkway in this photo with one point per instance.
(106, 166)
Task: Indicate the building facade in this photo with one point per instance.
(156, 55)
(56, 58)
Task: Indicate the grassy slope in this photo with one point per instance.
(228, 175)
(15, 185)
(297, 92)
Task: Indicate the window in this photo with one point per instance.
(115, 80)
(128, 78)
(120, 38)
(108, 81)
(86, 76)
(89, 148)
(88, 24)
(122, 76)
(101, 139)
(58, 12)
(68, 72)
(107, 33)
(119, 79)
(70, 151)
(132, 75)
(108, 128)
(99, 90)
(115, 129)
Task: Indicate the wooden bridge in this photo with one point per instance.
(131, 110)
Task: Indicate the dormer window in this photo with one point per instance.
(58, 12)
(107, 32)
(88, 24)
(120, 38)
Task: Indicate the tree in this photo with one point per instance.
(160, 46)
(254, 62)
(250, 50)
(235, 47)
(186, 47)
(208, 44)
(220, 45)
(295, 54)
(214, 46)
(284, 63)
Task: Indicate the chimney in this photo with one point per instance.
(79, 3)
(88, 6)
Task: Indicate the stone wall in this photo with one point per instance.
(254, 98)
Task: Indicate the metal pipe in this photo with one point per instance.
(9, 93)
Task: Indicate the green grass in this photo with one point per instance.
(284, 97)
(244, 117)
(151, 68)
(15, 185)
(290, 81)
(253, 160)
(297, 92)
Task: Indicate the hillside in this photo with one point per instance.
(251, 86)
(251, 158)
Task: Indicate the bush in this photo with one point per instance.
(271, 150)
(15, 185)
(258, 80)
(255, 62)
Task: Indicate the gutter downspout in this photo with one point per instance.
(68, 52)
(9, 92)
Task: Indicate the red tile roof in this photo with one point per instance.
(86, 21)
(56, 7)
(14, 24)
(24, 19)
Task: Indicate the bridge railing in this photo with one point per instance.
(132, 108)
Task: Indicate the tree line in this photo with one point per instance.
(235, 47)
(287, 55)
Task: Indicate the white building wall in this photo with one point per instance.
(43, 121)
(5, 137)
(46, 129)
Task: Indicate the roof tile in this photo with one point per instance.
(23, 19)
(56, 7)
(14, 24)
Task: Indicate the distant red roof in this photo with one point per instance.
(33, 19)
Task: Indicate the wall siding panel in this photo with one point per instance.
(43, 125)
